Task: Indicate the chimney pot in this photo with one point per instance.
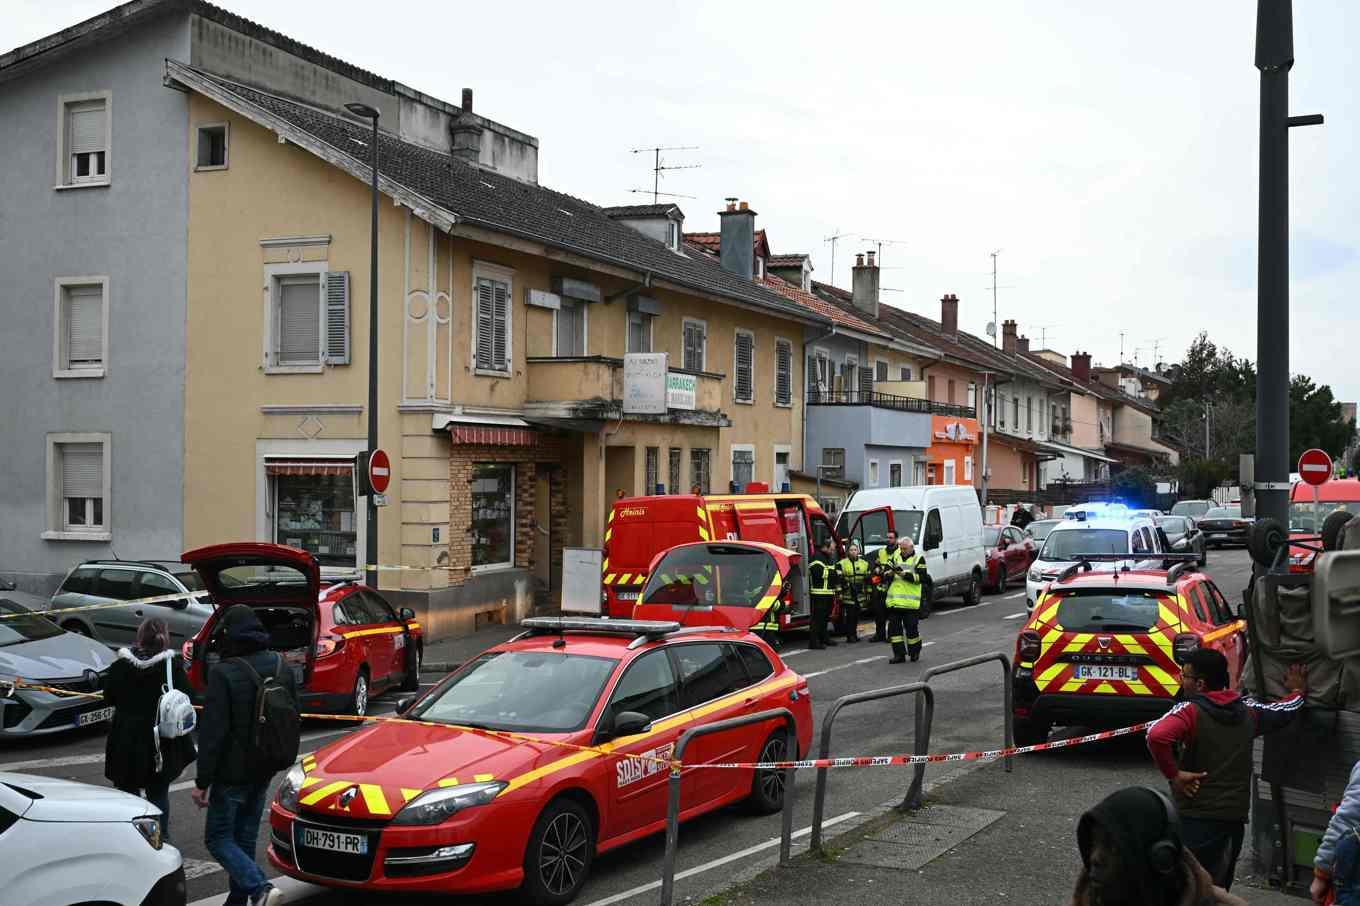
(467, 100)
(743, 207)
(731, 203)
(1022, 344)
(871, 258)
(1008, 335)
(859, 259)
(1081, 367)
(949, 314)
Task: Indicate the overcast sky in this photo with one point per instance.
(1108, 150)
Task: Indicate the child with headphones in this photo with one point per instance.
(1337, 866)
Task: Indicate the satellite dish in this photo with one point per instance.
(991, 328)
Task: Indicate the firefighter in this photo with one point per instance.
(881, 577)
(854, 576)
(908, 571)
(822, 588)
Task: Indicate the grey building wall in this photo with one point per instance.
(867, 432)
(133, 232)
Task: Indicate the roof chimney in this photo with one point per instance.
(864, 285)
(949, 314)
(1008, 335)
(465, 132)
(737, 239)
(1022, 344)
(1081, 367)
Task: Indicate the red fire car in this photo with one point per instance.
(344, 642)
(435, 806)
(1009, 555)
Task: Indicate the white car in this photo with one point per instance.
(1101, 533)
(66, 842)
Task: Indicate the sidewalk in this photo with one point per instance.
(447, 655)
(985, 837)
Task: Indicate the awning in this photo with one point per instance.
(308, 468)
(1154, 452)
(487, 430)
(1022, 445)
(1067, 450)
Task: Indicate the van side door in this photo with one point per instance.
(932, 544)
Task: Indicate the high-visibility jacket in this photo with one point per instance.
(821, 577)
(854, 576)
(904, 590)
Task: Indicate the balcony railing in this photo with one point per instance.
(887, 401)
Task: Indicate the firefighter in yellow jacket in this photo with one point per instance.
(908, 572)
(854, 584)
(822, 581)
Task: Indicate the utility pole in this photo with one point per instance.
(984, 414)
(1121, 347)
(1274, 58)
(658, 167)
(996, 324)
(1207, 410)
(835, 237)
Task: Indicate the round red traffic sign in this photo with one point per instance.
(1315, 467)
(379, 471)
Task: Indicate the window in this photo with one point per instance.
(493, 514)
(1015, 407)
(569, 328)
(918, 472)
(951, 391)
(707, 671)
(866, 384)
(673, 476)
(80, 344)
(849, 373)
(783, 373)
(647, 687)
(81, 581)
(760, 268)
(781, 468)
(83, 145)
(950, 470)
(1140, 545)
(894, 475)
(743, 386)
(873, 474)
(117, 584)
(700, 470)
(155, 585)
(743, 466)
(314, 508)
(491, 335)
(930, 388)
(1029, 414)
(968, 470)
(833, 462)
(695, 352)
(673, 236)
(904, 373)
(639, 332)
(78, 473)
(972, 396)
(880, 370)
(298, 325)
(1222, 612)
(308, 318)
(1001, 411)
(212, 147)
(653, 471)
(819, 372)
(1197, 600)
(934, 535)
(757, 665)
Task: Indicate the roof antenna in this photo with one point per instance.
(561, 641)
(658, 167)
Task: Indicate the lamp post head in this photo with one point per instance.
(363, 110)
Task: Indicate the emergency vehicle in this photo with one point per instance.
(743, 584)
(1103, 649)
(430, 804)
(1308, 521)
(641, 527)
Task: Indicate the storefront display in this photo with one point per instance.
(493, 514)
(315, 510)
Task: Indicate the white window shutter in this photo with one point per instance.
(84, 314)
(501, 327)
(299, 324)
(82, 470)
(337, 318)
(85, 127)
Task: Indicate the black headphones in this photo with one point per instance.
(1165, 854)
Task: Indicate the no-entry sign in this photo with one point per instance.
(380, 471)
(1315, 467)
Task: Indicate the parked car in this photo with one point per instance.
(1192, 508)
(1106, 534)
(67, 842)
(1009, 553)
(1224, 525)
(1185, 537)
(1039, 529)
(35, 649)
(110, 581)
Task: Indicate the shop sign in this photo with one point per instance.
(682, 391)
(644, 383)
(957, 432)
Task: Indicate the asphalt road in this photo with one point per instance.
(968, 717)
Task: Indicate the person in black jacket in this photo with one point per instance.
(133, 689)
(234, 796)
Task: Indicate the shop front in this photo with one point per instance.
(952, 455)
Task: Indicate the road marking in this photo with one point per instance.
(1016, 616)
(294, 891)
(64, 761)
(788, 654)
(197, 868)
(863, 660)
(706, 866)
(1018, 594)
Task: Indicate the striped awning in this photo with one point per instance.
(492, 436)
(308, 468)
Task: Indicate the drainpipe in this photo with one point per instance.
(806, 343)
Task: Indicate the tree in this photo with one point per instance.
(1134, 486)
(1200, 476)
(1315, 419)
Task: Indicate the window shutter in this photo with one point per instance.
(783, 373)
(85, 129)
(82, 470)
(744, 350)
(812, 376)
(485, 324)
(866, 381)
(694, 347)
(84, 326)
(881, 372)
(337, 317)
(501, 324)
(299, 324)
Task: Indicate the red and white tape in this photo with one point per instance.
(878, 761)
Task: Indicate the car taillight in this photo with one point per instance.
(604, 597)
(188, 652)
(1029, 647)
(1184, 643)
(329, 644)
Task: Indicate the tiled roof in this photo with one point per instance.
(822, 307)
(787, 260)
(713, 241)
(642, 210)
(483, 198)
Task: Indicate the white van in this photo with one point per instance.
(943, 521)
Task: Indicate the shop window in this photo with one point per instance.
(315, 509)
(493, 514)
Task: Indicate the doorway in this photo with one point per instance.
(543, 539)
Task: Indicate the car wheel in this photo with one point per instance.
(77, 627)
(557, 860)
(1333, 527)
(767, 787)
(1264, 540)
(358, 703)
(1030, 733)
(411, 681)
(974, 593)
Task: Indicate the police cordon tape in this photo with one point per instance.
(863, 761)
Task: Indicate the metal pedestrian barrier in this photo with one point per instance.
(922, 738)
(913, 799)
(673, 803)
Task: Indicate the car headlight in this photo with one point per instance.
(150, 828)
(435, 806)
(287, 796)
(1034, 575)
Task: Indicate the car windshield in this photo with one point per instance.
(523, 691)
(1097, 610)
(1172, 525)
(18, 624)
(1301, 514)
(1065, 545)
(1190, 508)
(991, 536)
(704, 575)
(1224, 512)
(1040, 530)
(873, 529)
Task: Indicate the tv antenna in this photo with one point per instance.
(996, 324)
(654, 194)
(835, 237)
(1156, 346)
(658, 167)
(882, 242)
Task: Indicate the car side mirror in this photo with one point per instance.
(406, 613)
(625, 723)
(179, 603)
(1241, 611)
(404, 703)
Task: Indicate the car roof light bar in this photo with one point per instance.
(685, 630)
(557, 625)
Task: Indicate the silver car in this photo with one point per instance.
(111, 581)
(34, 649)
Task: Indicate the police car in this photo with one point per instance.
(1095, 529)
(431, 804)
(1103, 648)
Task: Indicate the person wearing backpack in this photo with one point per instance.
(248, 732)
(138, 757)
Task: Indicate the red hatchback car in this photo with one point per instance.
(431, 805)
(344, 642)
(1009, 555)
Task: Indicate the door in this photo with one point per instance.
(932, 544)
(385, 655)
(648, 687)
(1234, 645)
(871, 528)
(175, 613)
(115, 625)
(710, 674)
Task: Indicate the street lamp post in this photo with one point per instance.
(371, 519)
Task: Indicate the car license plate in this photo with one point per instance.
(85, 718)
(1107, 671)
(627, 596)
(1218, 536)
(334, 841)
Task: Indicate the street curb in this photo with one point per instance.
(441, 668)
